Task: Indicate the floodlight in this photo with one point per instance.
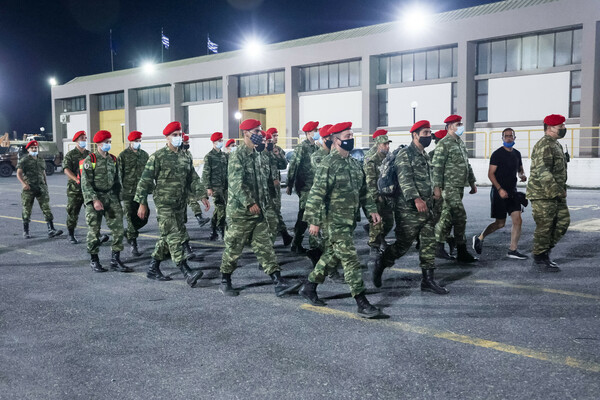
(52, 81)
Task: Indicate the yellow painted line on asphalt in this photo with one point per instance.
(470, 340)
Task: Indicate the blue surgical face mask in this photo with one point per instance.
(105, 147)
(460, 130)
(219, 145)
(508, 144)
(136, 145)
(82, 144)
(33, 153)
(316, 135)
(232, 149)
(176, 141)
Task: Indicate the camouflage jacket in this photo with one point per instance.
(33, 171)
(131, 165)
(371, 152)
(100, 179)
(214, 173)
(548, 172)
(170, 176)
(339, 190)
(271, 173)
(247, 181)
(371, 167)
(71, 162)
(451, 166)
(413, 169)
(317, 157)
(301, 174)
(279, 161)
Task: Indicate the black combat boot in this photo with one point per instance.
(309, 292)
(201, 220)
(378, 266)
(314, 255)
(155, 273)
(221, 231)
(191, 277)
(428, 284)
(226, 287)
(116, 264)
(135, 251)
(440, 252)
(26, 234)
(51, 231)
(72, 238)
(297, 246)
(463, 255)
(214, 235)
(365, 309)
(287, 238)
(95, 264)
(451, 245)
(542, 263)
(188, 253)
(283, 286)
(550, 260)
(336, 277)
(104, 238)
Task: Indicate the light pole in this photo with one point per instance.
(414, 106)
(42, 129)
(123, 132)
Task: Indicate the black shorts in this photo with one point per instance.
(501, 207)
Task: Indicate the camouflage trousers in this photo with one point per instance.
(277, 201)
(220, 203)
(27, 198)
(378, 232)
(271, 217)
(410, 225)
(453, 215)
(243, 230)
(128, 207)
(114, 220)
(340, 249)
(552, 220)
(74, 204)
(195, 206)
(301, 225)
(172, 234)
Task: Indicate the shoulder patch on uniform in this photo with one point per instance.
(86, 165)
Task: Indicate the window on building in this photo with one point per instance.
(186, 119)
(264, 83)
(419, 65)
(482, 101)
(154, 96)
(111, 101)
(575, 96)
(73, 104)
(454, 105)
(383, 103)
(529, 52)
(330, 76)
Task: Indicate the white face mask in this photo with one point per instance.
(176, 141)
(232, 149)
(136, 145)
(82, 144)
(219, 145)
(33, 153)
(105, 147)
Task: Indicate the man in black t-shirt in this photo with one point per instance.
(505, 165)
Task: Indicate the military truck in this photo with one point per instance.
(9, 156)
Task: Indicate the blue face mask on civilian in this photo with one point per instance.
(508, 144)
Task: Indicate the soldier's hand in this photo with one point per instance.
(276, 182)
(313, 230)
(437, 193)
(255, 209)
(421, 205)
(564, 195)
(142, 211)
(98, 206)
(209, 192)
(473, 189)
(206, 204)
(26, 187)
(288, 190)
(375, 218)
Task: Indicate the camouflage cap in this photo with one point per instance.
(382, 139)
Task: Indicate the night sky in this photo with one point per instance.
(70, 38)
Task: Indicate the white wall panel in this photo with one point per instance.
(434, 104)
(77, 122)
(331, 108)
(205, 118)
(152, 121)
(528, 98)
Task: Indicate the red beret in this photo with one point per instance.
(324, 130)
(379, 132)
(31, 143)
(229, 142)
(272, 130)
(263, 133)
(453, 118)
(420, 124)
(341, 127)
(441, 134)
(249, 124)
(77, 134)
(134, 135)
(172, 127)
(268, 136)
(101, 136)
(216, 136)
(554, 119)
(310, 126)
(185, 138)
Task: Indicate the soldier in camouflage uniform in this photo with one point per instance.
(272, 176)
(131, 163)
(71, 169)
(368, 155)
(278, 158)
(247, 203)
(451, 173)
(169, 175)
(547, 190)
(334, 203)
(300, 177)
(192, 203)
(214, 176)
(101, 188)
(414, 209)
(230, 146)
(31, 172)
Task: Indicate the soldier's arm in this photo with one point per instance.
(206, 171)
(67, 168)
(406, 176)
(146, 183)
(371, 176)
(316, 196)
(87, 180)
(121, 166)
(471, 174)
(365, 199)
(197, 186)
(294, 166)
(235, 180)
(280, 159)
(439, 165)
(546, 174)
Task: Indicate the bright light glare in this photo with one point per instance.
(416, 18)
(253, 48)
(414, 104)
(148, 67)
(238, 115)
(52, 81)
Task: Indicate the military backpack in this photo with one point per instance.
(387, 184)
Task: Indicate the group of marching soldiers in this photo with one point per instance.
(419, 193)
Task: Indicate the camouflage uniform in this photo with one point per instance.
(321, 240)
(74, 195)
(280, 163)
(300, 177)
(131, 165)
(339, 190)
(34, 174)
(271, 173)
(102, 182)
(385, 204)
(169, 175)
(414, 180)
(452, 172)
(214, 176)
(248, 186)
(547, 184)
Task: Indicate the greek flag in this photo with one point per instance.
(212, 46)
(165, 41)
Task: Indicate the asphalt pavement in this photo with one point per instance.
(503, 332)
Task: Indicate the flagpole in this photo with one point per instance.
(161, 45)
(207, 39)
(112, 65)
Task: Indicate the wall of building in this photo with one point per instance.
(205, 118)
(152, 121)
(111, 121)
(77, 122)
(434, 104)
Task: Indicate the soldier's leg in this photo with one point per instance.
(271, 219)
(195, 207)
(175, 234)
(74, 203)
(128, 208)
(262, 246)
(458, 215)
(376, 231)
(93, 219)
(114, 220)
(562, 221)
(427, 237)
(43, 199)
(444, 223)
(219, 213)
(236, 236)
(301, 225)
(344, 249)
(27, 199)
(406, 233)
(544, 212)
(324, 264)
(387, 217)
(281, 223)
